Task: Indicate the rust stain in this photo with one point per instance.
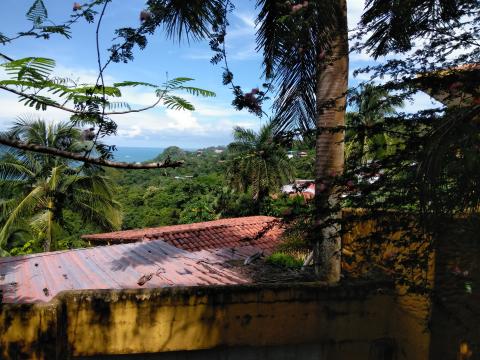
(153, 264)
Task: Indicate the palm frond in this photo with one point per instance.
(15, 171)
(293, 43)
(22, 209)
(190, 19)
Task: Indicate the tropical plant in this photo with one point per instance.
(365, 140)
(305, 46)
(44, 187)
(33, 80)
(258, 162)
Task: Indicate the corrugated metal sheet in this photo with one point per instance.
(260, 231)
(152, 264)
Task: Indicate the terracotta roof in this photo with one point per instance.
(260, 231)
(39, 277)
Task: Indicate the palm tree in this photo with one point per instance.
(305, 46)
(371, 105)
(258, 162)
(43, 186)
(306, 53)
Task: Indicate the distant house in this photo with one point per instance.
(305, 188)
(294, 153)
(218, 151)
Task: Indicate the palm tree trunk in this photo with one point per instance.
(332, 84)
(49, 245)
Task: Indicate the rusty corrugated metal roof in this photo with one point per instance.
(152, 264)
(260, 231)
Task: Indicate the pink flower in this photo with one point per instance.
(144, 15)
(297, 7)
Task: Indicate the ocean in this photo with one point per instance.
(132, 154)
(136, 154)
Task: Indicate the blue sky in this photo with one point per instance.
(212, 121)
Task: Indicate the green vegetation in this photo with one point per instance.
(284, 260)
(199, 190)
(259, 162)
(49, 202)
(38, 190)
(371, 104)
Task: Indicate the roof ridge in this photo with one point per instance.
(172, 229)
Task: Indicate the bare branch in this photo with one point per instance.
(82, 158)
(8, 58)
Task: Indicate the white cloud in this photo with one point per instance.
(12, 109)
(133, 132)
(212, 119)
(247, 19)
(81, 75)
(355, 10)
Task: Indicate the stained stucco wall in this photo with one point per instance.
(345, 322)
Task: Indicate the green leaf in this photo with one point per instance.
(176, 82)
(197, 91)
(30, 68)
(57, 29)
(37, 101)
(134, 83)
(177, 103)
(114, 105)
(37, 13)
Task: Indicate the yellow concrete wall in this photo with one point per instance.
(346, 319)
(412, 312)
(29, 331)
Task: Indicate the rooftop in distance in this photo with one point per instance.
(263, 232)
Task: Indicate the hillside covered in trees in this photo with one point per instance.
(197, 191)
(200, 190)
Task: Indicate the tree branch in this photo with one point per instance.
(8, 58)
(73, 111)
(82, 158)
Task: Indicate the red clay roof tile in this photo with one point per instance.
(259, 231)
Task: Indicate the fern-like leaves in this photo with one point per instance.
(30, 68)
(37, 13)
(177, 103)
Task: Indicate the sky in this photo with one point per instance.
(212, 121)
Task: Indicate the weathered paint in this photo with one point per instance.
(40, 277)
(348, 320)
